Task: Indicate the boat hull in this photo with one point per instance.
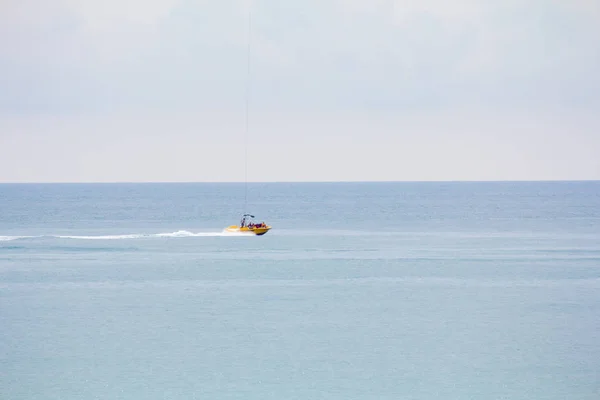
(251, 231)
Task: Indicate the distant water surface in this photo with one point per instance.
(360, 291)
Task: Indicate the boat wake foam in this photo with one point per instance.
(9, 238)
(178, 234)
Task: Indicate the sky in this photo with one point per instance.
(339, 90)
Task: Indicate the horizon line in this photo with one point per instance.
(300, 182)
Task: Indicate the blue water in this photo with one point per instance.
(360, 291)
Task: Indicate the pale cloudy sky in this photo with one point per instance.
(153, 90)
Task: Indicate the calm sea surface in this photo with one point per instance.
(360, 291)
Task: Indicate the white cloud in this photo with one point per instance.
(317, 53)
(441, 145)
(454, 11)
(107, 15)
(420, 89)
(589, 8)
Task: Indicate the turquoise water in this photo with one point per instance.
(360, 291)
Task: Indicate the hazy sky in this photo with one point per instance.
(153, 90)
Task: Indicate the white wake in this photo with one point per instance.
(178, 234)
(8, 238)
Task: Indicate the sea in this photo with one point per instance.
(382, 290)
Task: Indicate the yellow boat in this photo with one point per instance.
(247, 226)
